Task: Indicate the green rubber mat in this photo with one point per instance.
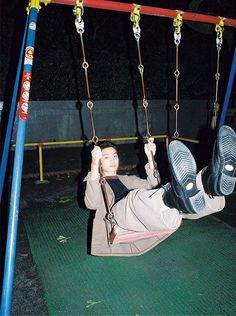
(193, 272)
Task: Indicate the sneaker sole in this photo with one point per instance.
(183, 167)
(227, 149)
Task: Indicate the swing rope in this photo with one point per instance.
(135, 18)
(219, 28)
(177, 23)
(110, 223)
(79, 23)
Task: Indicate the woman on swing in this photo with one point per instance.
(149, 214)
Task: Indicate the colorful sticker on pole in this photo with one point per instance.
(29, 53)
(24, 96)
(32, 26)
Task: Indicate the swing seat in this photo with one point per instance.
(119, 235)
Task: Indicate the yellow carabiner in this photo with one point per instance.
(78, 10)
(219, 28)
(135, 15)
(178, 21)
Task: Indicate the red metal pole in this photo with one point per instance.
(128, 7)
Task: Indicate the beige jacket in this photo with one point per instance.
(94, 200)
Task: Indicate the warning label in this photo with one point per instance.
(24, 95)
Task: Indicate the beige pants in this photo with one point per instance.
(144, 210)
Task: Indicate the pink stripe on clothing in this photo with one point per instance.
(122, 235)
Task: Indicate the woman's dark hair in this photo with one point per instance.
(107, 144)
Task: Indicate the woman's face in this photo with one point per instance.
(109, 161)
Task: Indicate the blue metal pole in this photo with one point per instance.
(11, 115)
(228, 91)
(17, 168)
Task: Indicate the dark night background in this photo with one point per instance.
(112, 54)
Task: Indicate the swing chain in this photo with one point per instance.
(145, 103)
(137, 33)
(109, 213)
(110, 217)
(155, 170)
(90, 105)
(135, 18)
(145, 106)
(177, 38)
(79, 24)
(219, 28)
(177, 23)
(141, 69)
(94, 138)
(176, 133)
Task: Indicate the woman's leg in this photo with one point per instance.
(214, 204)
(144, 210)
(160, 209)
(219, 177)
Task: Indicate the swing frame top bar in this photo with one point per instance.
(148, 10)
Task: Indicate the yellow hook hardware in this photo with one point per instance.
(219, 28)
(78, 10)
(178, 21)
(135, 15)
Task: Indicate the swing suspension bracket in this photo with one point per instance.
(78, 10)
(219, 28)
(135, 18)
(177, 23)
(135, 15)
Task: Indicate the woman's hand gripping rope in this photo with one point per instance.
(96, 154)
(150, 151)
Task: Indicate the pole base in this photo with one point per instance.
(41, 182)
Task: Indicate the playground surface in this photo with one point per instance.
(190, 273)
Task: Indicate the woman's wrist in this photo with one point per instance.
(94, 171)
